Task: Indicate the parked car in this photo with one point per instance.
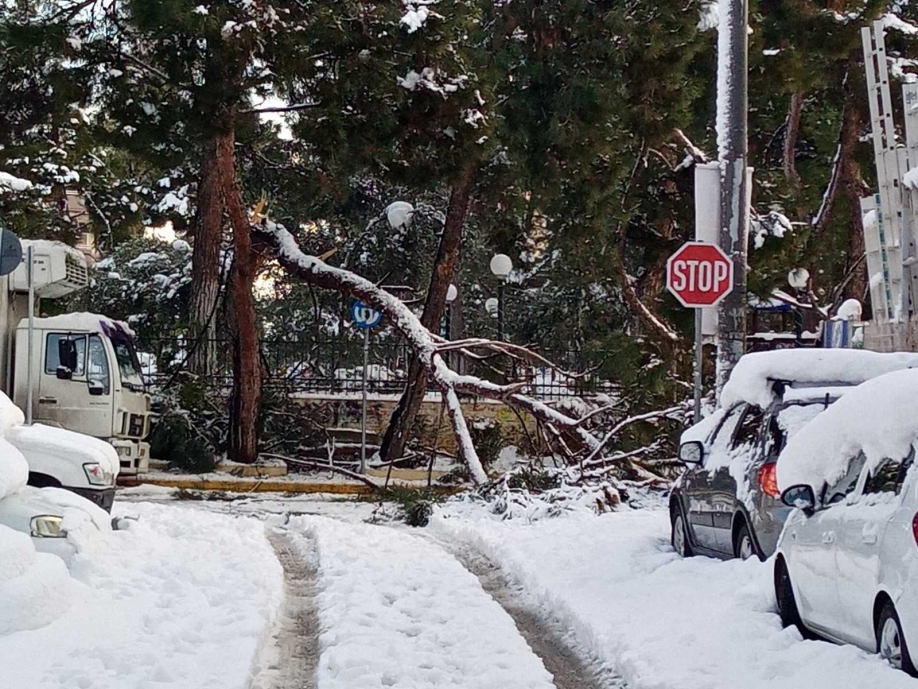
(40, 513)
(727, 504)
(847, 562)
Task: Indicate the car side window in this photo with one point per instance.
(889, 476)
(724, 432)
(748, 429)
(844, 486)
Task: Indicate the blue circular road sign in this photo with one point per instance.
(364, 316)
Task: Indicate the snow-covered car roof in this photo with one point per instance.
(877, 417)
(753, 377)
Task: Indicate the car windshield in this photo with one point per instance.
(128, 364)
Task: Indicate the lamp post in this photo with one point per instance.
(451, 294)
(501, 266)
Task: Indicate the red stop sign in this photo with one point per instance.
(699, 274)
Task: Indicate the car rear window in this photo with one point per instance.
(789, 420)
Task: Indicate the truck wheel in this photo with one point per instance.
(743, 547)
(891, 640)
(679, 537)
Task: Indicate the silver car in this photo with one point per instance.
(726, 503)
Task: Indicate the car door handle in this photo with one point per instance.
(47, 400)
(828, 537)
(868, 538)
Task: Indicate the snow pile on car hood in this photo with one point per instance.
(877, 417)
(39, 438)
(751, 381)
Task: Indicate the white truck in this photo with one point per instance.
(85, 378)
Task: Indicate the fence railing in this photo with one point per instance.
(335, 367)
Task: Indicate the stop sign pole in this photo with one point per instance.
(699, 275)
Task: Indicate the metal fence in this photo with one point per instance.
(335, 367)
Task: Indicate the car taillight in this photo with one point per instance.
(915, 528)
(768, 480)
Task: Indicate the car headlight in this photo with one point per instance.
(96, 475)
(47, 526)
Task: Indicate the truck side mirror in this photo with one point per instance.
(96, 388)
(67, 355)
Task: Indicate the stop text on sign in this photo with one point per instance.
(699, 274)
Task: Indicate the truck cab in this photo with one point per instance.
(86, 377)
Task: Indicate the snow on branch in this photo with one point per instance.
(566, 429)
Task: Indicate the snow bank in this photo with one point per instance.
(399, 611)
(751, 380)
(663, 622)
(14, 471)
(180, 599)
(877, 418)
(35, 588)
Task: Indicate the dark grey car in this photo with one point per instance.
(726, 503)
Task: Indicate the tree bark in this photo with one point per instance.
(855, 189)
(205, 262)
(246, 396)
(427, 349)
(791, 134)
(401, 424)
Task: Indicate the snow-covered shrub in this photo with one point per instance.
(173, 438)
(488, 439)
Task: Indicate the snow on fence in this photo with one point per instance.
(336, 366)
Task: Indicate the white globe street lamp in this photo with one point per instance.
(501, 266)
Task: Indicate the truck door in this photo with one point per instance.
(84, 402)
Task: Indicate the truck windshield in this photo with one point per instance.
(128, 365)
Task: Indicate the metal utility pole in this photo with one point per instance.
(733, 154)
(30, 272)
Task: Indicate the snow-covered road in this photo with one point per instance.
(190, 596)
(398, 611)
(662, 622)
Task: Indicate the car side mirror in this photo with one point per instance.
(800, 496)
(96, 388)
(67, 356)
(691, 452)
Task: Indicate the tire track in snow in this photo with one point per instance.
(546, 635)
(295, 653)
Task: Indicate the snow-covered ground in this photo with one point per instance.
(398, 611)
(191, 595)
(660, 621)
(180, 599)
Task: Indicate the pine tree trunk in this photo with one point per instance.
(790, 137)
(401, 424)
(855, 189)
(246, 397)
(205, 263)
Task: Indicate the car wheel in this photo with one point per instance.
(743, 547)
(679, 537)
(891, 640)
(787, 604)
